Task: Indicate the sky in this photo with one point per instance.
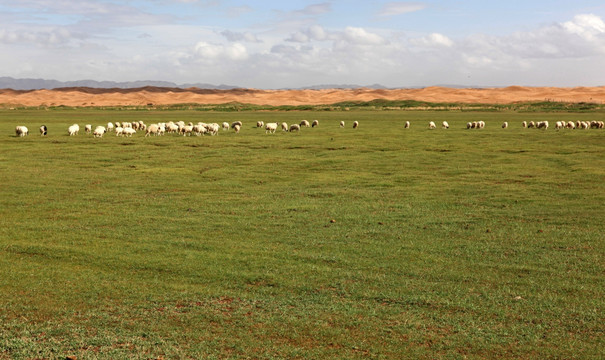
(297, 43)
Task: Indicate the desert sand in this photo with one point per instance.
(167, 96)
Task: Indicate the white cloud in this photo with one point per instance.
(41, 37)
(313, 33)
(587, 26)
(360, 36)
(238, 36)
(434, 40)
(398, 8)
(315, 9)
(210, 52)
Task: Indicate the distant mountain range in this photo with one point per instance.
(37, 84)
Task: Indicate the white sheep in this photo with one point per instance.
(236, 123)
(469, 125)
(129, 132)
(407, 125)
(559, 125)
(542, 125)
(445, 125)
(186, 130)
(43, 130)
(342, 124)
(119, 131)
(432, 125)
(481, 124)
(88, 128)
(200, 129)
(315, 123)
(213, 128)
(73, 130)
(304, 123)
(225, 126)
(284, 126)
(531, 124)
(270, 127)
(570, 125)
(260, 124)
(294, 127)
(172, 127)
(355, 124)
(505, 125)
(99, 131)
(110, 126)
(152, 129)
(21, 131)
(236, 127)
(524, 124)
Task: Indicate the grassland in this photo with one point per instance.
(378, 242)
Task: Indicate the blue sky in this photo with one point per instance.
(279, 44)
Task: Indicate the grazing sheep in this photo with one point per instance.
(524, 124)
(21, 131)
(570, 125)
(225, 126)
(270, 127)
(584, 125)
(152, 129)
(542, 125)
(480, 124)
(559, 125)
(213, 128)
(342, 124)
(294, 127)
(88, 128)
(43, 130)
(355, 124)
(236, 123)
(445, 125)
(129, 132)
(200, 129)
(260, 124)
(315, 123)
(432, 125)
(284, 126)
(304, 123)
(236, 127)
(73, 130)
(186, 130)
(119, 131)
(505, 125)
(126, 125)
(172, 127)
(407, 125)
(474, 125)
(469, 125)
(110, 126)
(99, 131)
(578, 124)
(531, 124)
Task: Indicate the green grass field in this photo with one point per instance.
(378, 242)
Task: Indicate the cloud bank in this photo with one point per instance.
(287, 48)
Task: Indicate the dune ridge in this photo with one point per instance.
(83, 96)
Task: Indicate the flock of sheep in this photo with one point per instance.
(130, 128)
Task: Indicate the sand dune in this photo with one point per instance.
(165, 96)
